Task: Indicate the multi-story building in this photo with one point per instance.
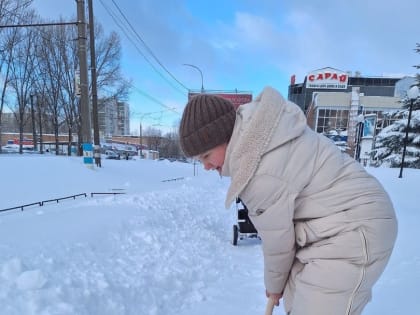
(9, 124)
(113, 118)
(123, 118)
(338, 104)
(334, 80)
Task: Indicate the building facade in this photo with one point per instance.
(349, 109)
(333, 80)
(113, 118)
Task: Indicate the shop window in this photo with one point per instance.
(332, 120)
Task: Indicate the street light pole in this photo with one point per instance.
(201, 74)
(412, 94)
(360, 125)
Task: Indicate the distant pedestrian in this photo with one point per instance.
(97, 156)
(327, 226)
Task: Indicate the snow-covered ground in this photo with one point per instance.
(163, 247)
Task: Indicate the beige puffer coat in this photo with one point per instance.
(327, 226)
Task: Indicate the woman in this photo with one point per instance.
(327, 227)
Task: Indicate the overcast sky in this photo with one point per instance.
(248, 44)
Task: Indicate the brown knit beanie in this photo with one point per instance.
(207, 122)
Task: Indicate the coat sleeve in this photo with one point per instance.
(271, 212)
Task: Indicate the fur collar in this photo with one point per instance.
(255, 125)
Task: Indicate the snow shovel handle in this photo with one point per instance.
(270, 306)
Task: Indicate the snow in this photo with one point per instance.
(163, 247)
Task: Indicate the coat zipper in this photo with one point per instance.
(362, 272)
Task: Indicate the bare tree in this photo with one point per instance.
(154, 138)
(169, 146)
(10, 12)
(40, 108)
(22, 70)
(52, 53)
(57, 67)
(110, 82)
(71, 100)
(45, 68)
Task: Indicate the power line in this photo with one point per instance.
(126, 32)
(38, 24)
(147, 47)
(155, 100)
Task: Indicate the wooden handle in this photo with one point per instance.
(270, 306)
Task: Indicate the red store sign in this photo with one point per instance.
(327, 78)
(236, 99)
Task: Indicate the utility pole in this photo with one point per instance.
(86, 138)
(84, 91)
(33, 122)
(39, 107)
(96, 140)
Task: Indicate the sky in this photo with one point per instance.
(245, 45)
(164, 247)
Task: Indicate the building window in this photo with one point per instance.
(330, 120)
(384, 119)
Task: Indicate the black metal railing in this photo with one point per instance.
(172, 179)
(63, 198)
(22, 206)
(106, 193)
(57, 200)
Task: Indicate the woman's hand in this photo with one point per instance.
(274, 296)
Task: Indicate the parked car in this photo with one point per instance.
(112, 155)
(14, 148)
(10, 148)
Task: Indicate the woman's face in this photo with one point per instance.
(213, 159)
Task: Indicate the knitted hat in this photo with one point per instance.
(207, 122)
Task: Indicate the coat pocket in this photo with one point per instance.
(304, 234)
